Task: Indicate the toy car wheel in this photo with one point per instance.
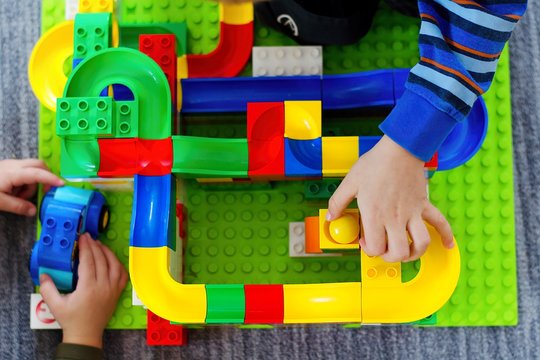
(104, 216)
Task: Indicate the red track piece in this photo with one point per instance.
(228, 58)
(264, 304)
(127, 157)
(266, 142)
(160, 331)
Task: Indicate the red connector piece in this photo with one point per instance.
(180, 216)
(264, 304)
(160, 332)
(433, 163)
(127, 157)
(228, 58)
(266, 142)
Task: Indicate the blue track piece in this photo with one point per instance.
(358, 90)
(232, 94)
(303, 158)
(151, 217)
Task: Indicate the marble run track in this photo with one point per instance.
(91, 152)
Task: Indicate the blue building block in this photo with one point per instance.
(153, 216)
(365, 143)
(303, 158)
(59, 232)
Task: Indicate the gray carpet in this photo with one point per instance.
(19, 30)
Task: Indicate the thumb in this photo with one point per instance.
(342, 197)
(16, 205)
(49, 292)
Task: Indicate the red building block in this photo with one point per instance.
(127, 157)
(180, 216)
(264, 304)
(266, 142)
(228, 58)
(162, 49)
(160, 332)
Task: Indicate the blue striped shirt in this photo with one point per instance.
(460, 43)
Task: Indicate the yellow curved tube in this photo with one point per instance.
(385, 299)
(169, 299)
(303, 120)
(45, 69)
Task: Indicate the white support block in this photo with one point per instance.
(40, 315)
(287, 60)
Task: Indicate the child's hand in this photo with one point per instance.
(84, 313)
(389, 185)
(18, 183)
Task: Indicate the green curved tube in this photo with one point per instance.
(140, 74)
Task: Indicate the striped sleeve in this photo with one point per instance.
(460, 43)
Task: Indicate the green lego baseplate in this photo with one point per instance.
(239, 234)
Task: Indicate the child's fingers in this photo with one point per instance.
(115, 267)
(102, 268)
(16, 205)
(433, 216)
(26, 191)
(420, 238)
(50, 293)
(373, 237)
(87, 265)
(342, 197)
(33, 163)
(398, 244)
(33, 175)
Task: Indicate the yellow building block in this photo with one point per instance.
(339, 154)
(237, 13)
(385, 299)
(340, 234)
(303, 120)
(88, 6)
(322, 303)
(95, 6)
(165, 297)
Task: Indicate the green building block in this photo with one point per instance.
(320, 189)
(201, 18)
(84, 117)
(92, 34)
(210, 157)
(129, 34)
(126, 119)
(226, 304)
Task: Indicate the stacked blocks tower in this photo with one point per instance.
(486, 293)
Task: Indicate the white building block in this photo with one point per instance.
(287, 60)
(72, 8)
(40, 315)
(297, 241)
(135, 301)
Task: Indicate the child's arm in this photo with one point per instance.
(84, 313)
(18, 183)
(460, 43)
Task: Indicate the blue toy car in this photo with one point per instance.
(66, 213)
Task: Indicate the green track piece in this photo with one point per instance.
(84, 117)
(129, 34)
(126, 119)
(226, 304)
(92, 34)
(320, 189)
(210, 157)
(80, 158)
(241, 236)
